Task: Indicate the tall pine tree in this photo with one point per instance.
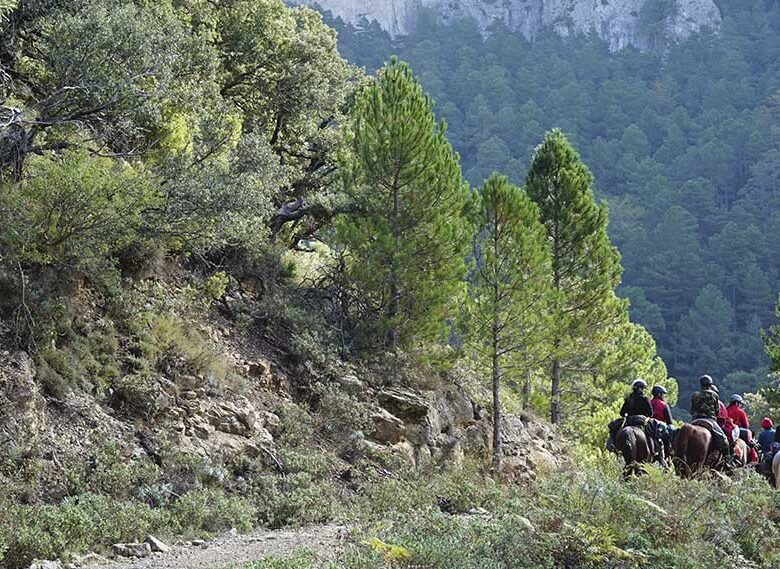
(408, 238)
(511, 281)
(585, 266)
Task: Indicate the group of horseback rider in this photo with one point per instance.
(726, 424)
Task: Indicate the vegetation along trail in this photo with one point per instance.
(306, 293)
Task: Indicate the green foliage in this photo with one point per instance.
(168, 345)
(49, 532)
(216, 285)
(772, 343)
(406, 242)
(210, 510)
(78, 209)
(294, 500)
(585, 266)
(116, 476)
(587, 517)
(682, 141)
(511, 283)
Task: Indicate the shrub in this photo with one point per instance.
(297, 425)
(294, 500)
(117, 476)
(76, 525)
(211, 510)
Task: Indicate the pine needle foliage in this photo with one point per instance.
(408, 239)
(511, 281)
(585, 265)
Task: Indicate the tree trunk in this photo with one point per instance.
(496, 342)
(395, 293)
(496, 398)
(555, 392)
(527, 387)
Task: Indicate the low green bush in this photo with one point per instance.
(295, 500)
(210, 510)
(77, 525)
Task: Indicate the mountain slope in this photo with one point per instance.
(639, 23)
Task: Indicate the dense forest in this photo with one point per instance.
(684, 144)
(245, 284)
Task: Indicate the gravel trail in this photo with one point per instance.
(237, 551)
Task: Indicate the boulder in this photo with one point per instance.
(516, 469)
(132, 549)
(405, 451)
(387, 428)
(410, 406)
(542, 460)
(351, 385)
(271, 422)
(156, 545)
(22, 406)
(43, 564)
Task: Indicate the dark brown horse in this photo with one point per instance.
(691, 449)
(635, 447)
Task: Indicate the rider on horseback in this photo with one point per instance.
(660, 407)
(638, 412)
(705, 408)
(662, 413)
(737, 414)
(636, 402)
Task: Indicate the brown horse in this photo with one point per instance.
(632, 443)
(741, 453)
(691, 448)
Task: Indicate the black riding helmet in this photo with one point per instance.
(659, 390)
(638, 385)
(705, 381)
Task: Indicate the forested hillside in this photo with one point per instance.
(244, 284)
(684, 144)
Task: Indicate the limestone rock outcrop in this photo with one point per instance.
(619, 22)
(446, 425)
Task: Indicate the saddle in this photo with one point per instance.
(657, 431)
(712, 426)
(707, 423)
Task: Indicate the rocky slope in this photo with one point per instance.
(270, 428)
(617, 21)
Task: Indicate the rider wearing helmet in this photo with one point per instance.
(636, 402)
(706, 407)
(660, 407)
(737, 414)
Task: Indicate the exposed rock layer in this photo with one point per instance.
(618, 22)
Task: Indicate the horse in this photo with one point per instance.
(633, 444)
(741, 453)
(691, 448)
(776, 470)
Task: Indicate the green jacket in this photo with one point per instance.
(704, 404)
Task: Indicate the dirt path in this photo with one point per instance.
(237, 551)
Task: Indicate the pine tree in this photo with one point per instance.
(772, 343)
(511, 281)
(408, 240)
(707, 333)
(585, 266)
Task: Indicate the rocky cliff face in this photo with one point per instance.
(620, 22)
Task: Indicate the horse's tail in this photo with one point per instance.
(680, 451)
(628, 446)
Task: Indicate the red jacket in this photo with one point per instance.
(738, 415)
(661, 410)
(723, 414)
